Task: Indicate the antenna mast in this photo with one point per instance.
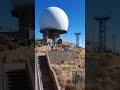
(77, 38)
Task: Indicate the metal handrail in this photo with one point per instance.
(29, 74)
(4, 85)
(38, 75)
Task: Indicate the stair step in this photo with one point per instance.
(44, 68)
(49, 88)
(16, 70)
(18, 84)
(14, 74)
(18, 88)
(43, 65)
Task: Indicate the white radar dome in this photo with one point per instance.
(54, 18)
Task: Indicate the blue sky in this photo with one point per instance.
(75, 10)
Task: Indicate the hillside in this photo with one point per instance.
(107, 70)
(65, 69)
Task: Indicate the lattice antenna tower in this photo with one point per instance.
(102, 21)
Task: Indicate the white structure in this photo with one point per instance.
(53, 22)
(55, 18)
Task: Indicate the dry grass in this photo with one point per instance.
(107, 71)
(17, 56)
(42, 49)
(64, 71)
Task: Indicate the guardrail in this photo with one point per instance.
(53, 74)
(3, 78)
(1, 84)
(30, 74)
(38, 81)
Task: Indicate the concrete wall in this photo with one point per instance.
(59, 56)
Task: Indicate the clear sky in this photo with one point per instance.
(75, 10)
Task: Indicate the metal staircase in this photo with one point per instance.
(14, 77)
(17, 80)
(45, 75)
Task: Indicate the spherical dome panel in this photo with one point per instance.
(54, 18)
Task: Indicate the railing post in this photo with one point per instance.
(1, 86)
